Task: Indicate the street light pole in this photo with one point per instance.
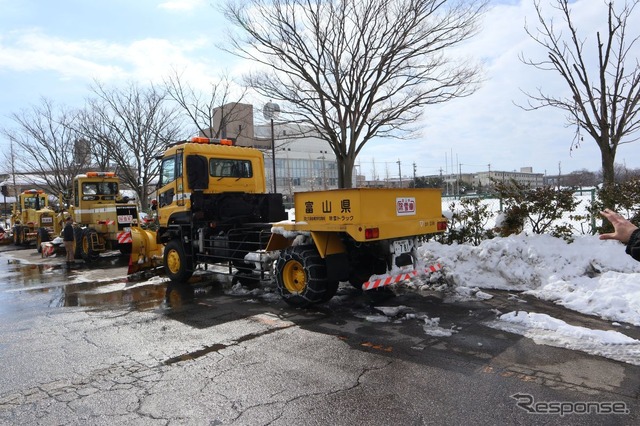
(271, 111)
(273, 157)
(324, 172)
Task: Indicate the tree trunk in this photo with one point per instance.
(608, 175)
(345, 172)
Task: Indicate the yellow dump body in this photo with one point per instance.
(395, 213)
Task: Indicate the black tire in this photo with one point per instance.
(301, 277)
(87, 252)
(332, 289)
(176, 266)
(42, 237)
(77, 240)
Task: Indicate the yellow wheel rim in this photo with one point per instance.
(293, 277)
(173, 261)
(85, 244)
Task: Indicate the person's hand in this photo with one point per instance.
(622, 227)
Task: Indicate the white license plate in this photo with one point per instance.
(125, 218)
(401, 246)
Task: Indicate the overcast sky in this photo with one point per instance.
(54, 49)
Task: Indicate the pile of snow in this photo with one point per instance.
(591, 276)
(546, 330)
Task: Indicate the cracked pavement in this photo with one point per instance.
(247, 360)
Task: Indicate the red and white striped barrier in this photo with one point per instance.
(124, 237)
(392, 279)
(433, 268)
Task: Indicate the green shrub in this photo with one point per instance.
(539, 209)
(623, 197)
(468, 223)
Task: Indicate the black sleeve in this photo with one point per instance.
(633, 246)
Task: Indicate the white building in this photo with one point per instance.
(524, 177)
(303, 161)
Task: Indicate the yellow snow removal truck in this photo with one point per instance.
(103, 217)
(33, 220)
(213, 209)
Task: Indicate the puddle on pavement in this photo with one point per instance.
(114, 294)
(27, 286)
(55, 286)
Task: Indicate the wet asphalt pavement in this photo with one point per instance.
(86, 347)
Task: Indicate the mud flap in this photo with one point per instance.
(337, 267)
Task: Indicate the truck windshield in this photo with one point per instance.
(224, 167)
(100, 188)
(34, 202)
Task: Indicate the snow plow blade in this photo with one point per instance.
(146, 253)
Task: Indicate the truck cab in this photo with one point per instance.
(193, 172)
(103, 217)
(212, 180)
(33, 219)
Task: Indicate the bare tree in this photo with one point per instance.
(46, 140)
(135, 125)
(580, 178)
(199, 106)
(93, 124)
(602, 100)
(352, 69)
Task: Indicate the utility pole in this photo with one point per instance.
(324, 172)
(559, 172)
(399, 172)
(271, 111)
(414, 172)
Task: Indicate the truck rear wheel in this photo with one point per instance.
(301, 277)
(86, 248)
(176, 265)
(77, 238)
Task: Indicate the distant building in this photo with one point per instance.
(455, 183)
(361, 182)
(235, 121)
(14, 185)
(303, 161)
(524, 177)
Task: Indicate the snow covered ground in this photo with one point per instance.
(590, 276)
